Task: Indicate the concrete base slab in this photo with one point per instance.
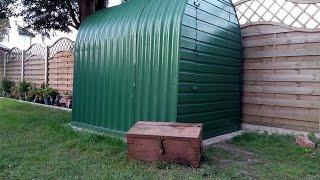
(222, 138)
(273, 130)
(95, 132)
(254, 128)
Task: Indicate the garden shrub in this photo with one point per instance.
(7, 86)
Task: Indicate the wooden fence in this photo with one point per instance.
(281, 73)
(52, 65)
(2, 55)
(60, 71)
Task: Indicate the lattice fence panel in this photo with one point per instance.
(283, 12)
(35, 50)
(62, 45)
(60, 69)
(34, 70)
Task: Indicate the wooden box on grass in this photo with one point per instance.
(168, 142)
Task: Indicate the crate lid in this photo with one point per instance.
(165, 129)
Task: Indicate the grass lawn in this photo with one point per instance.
(37, 143)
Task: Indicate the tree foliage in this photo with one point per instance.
(44, 17)
(4, 13)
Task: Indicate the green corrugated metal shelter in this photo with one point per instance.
(159, 60)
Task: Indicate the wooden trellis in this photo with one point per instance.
(290, 13)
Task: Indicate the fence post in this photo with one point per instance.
(5, 65)
(46, 66)
(22, 65)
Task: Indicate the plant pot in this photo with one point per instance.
(47, 100)
(57, 100)
(69, 103)
(30, 98)
(22, 97)
(36, 99)
(52, 100)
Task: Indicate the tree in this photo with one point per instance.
(44, 17)
(4, 21)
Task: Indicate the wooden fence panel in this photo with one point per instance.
(34, 70)
(2, 55)
(1, 69)
(13, 69)
(281, 77)
(60, 72)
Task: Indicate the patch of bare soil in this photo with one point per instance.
(225, 155)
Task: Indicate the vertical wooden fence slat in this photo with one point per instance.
(22, 65)
(5, 64)
(2, 54)
(46, 65)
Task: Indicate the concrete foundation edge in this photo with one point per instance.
(37, 104)
(273, 130)
(254, 128)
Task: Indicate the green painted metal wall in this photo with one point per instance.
(127, 65)
(210, 65)
(104, 69)
(158, 60)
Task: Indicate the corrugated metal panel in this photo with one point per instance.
(127, 65)
(158, 59)
(104, 68)
(210, 65)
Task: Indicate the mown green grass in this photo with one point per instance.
(37, 143)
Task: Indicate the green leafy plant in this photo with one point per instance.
(38, 95)
(53, 92)
(32, 93)
(45, 92)
(24, 86)
(7, 86)
(312, 136)
(49, 95)
(15, 93)
(49, 91)
(1, 94)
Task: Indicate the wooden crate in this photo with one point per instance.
(169, 142)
